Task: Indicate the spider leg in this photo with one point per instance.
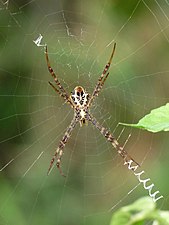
(105, 132)
(61, 90)
(102, 78)
(60, 150)
(60, 93)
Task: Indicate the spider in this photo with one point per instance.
(81, 101)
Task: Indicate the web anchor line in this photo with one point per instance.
(133, 167)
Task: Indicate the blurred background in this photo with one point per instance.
(33, 118)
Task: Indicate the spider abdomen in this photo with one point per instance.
(81, 115)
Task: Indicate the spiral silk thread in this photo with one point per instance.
(131, 166)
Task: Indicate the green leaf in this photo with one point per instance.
(142, 204)
(164, 215)
(141, 211)
(120, 218)
(134, 213)
(157, 120)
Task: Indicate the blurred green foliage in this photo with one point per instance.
(142, 211)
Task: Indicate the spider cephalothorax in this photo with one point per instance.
(80, 101)
(80, 97)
